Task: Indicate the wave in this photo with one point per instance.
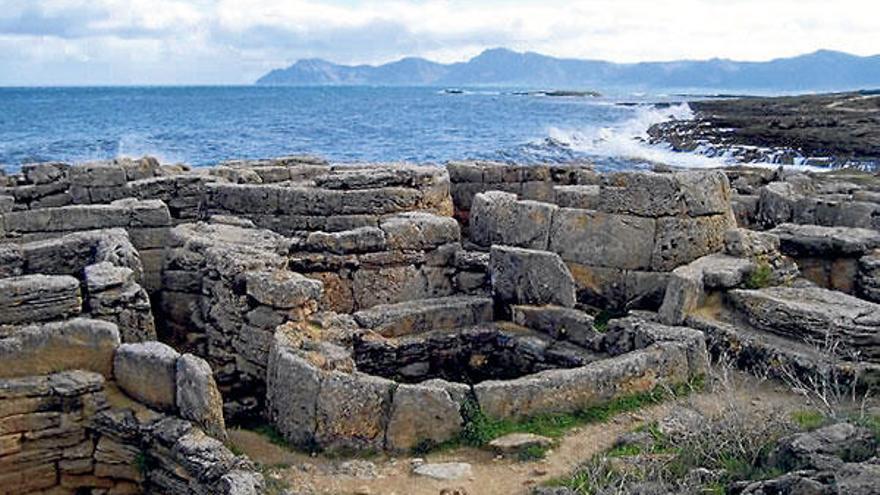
(628, 141)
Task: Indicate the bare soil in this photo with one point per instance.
(307, 474)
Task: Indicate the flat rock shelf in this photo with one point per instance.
(374, 307)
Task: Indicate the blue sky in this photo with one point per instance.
(64, 42)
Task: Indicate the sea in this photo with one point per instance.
(203, 126)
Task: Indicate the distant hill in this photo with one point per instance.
(819, 71)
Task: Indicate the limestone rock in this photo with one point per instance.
(499, 218)
(558, 322)
(148, 372)
(32, 298)
(814, 315)
(525, 276)
(445, 471)
(282, 289)
(817, 240)
(53, 347)
(422, 414)
(352, 410)
(423, 315)
(824, 448)
(682, 240)
(419, 230)
(602, 239)
(198, 398)
(519, 442)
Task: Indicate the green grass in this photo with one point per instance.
(761, 277)
(808, 419)
(600, 321)
(480, 429)
(273, 435)
(532, 453)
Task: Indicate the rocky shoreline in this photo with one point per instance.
(391, 307)
(831, 130)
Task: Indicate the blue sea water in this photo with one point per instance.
(206, 125)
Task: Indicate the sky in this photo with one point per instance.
(119, 42)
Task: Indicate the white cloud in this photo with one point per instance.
(234, 41)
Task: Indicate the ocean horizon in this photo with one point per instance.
(205, 125)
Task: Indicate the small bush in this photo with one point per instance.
(761, 277)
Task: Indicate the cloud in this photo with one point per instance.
(234, 41)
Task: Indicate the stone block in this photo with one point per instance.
(602, 239)
(525, 276)
(282, 289)
(558, 322)
(52, 347)
(498, 218)
(360, 240)
(33, 298)
(198, 398)
(98, 174)
(352, 411)
(425, 315)
(422, 415)
(419, 231)
(148, 373)
(679, 241)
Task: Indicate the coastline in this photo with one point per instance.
(827, 130)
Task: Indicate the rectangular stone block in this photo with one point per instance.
(601, 239)
(32, 298)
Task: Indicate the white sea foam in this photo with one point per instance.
(132, 145)
(629, 140)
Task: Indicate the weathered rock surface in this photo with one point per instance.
(198, 398)
(425, 315)
(148, 372)
(815, 315)
(422, 415)
(445, 471)
(77, 344)
(524, 276)
(33, 298)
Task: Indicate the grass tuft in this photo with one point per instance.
(761, 277)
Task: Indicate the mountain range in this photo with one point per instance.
(823, 70)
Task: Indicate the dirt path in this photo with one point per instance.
(491, 475)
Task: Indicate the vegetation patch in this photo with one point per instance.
(480, 429)
(761, 277)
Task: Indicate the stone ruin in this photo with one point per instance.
(369, 307)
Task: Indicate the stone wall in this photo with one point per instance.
(79, 414)
(94, 273)
(344, 198)
(535, 182)
(146, 222)
(406, 256)
(321, 396)
(638, 227)
(226, 289)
